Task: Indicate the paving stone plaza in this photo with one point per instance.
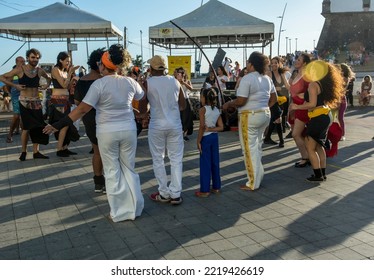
(49, 209)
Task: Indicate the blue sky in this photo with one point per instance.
(302, 20)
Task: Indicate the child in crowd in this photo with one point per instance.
(207, 143)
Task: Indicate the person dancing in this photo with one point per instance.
(112, 97)
(81, 89)
(30, 103)
(59, 104)
(256, 93)
(324, 93)
(299, 118)
(15, 122)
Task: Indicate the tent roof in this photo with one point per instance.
(214, 23)
(57, 21)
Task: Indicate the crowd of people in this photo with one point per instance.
(116, 101)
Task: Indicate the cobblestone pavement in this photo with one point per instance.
(48, 208)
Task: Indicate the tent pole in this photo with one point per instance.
(271, 50)
(221, 100)
(88, 55)
(141, 49)
(68, 43)
(124, 37)
(195, 63)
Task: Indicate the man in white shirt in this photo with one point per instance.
(166, 99)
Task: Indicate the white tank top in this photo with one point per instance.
(211, 117)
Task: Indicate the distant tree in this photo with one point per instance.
(138, 61)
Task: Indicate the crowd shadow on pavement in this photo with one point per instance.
(49, 210)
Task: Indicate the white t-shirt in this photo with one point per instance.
(163, 95)
(257, 89)
(112, 97)
(222, 85)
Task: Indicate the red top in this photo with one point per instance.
(301, 86)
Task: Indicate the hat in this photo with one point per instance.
(157, 62)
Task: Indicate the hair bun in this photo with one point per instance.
(116, 54)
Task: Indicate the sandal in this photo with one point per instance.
(246, 188)
(9, 139)
(201, 194)
(215, 191)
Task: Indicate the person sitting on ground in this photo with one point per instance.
(366, 85)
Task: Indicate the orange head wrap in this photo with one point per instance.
(105, 59)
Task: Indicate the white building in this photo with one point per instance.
(342, 6)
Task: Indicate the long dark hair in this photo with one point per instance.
(223, 70)
(281, 70)
(210, 95)
(332, 86)
(61, 56)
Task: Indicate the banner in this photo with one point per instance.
(175, 62)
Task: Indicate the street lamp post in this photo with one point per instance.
(314, 44)
(290, 44)
(295, 44)
(280, 26)
(286, 45)
(141, 49)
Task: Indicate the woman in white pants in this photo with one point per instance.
(256, 93)
(112, 97)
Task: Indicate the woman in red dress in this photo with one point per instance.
(299, 118)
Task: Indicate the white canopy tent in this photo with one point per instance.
(58, 22)
(213, 25)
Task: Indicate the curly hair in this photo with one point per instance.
(34, 52)
(94, 58)
(332, 86)
(119, 56)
